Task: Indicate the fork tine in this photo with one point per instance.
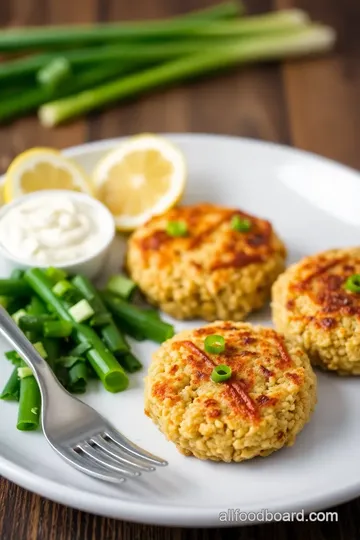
(133, 449)
(111, 450)
(83, 465)
(107, 463)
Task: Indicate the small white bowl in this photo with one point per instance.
(91, 264)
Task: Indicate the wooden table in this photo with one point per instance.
(314, 105)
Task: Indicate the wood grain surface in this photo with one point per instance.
(312, 104)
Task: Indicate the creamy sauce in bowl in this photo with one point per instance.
(53, 228)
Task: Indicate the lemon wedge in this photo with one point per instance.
(142, 177)
(43, 168)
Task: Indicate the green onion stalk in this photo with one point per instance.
(138, 319)
(101, 359)
(109, 332)
(37, 38)
(34, 97)
(315, 38)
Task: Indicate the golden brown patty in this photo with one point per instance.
(311, 304)
(267, 401)
(214, 272)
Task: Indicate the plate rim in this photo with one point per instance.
(156, 514)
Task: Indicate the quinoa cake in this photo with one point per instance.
(261, 408)
(312, 304)
(214, 270)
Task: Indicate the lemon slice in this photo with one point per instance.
(142, 177)
(43, 168)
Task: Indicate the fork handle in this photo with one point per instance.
(48, 383)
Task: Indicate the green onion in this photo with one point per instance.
(28, 101)
(29, 404)
(40, 349)
(14, 288)
(58, 329)
(121, 285)
(138, 319)
(221, 373)
(4, 301)
(130, 363)
(314, 38)
(13, 357)
(78, 377)
(101, 319)
(11, 390)
(17, 274)
(353, 283)
(52, 347)
(80, 349)
(62, 287)
(240, 224)
(72, 372)
(81, 311)
(18, 315)
(55, 274)
(37, 307)
(34, 323)
(214, 344)
(54, 73)
(62, 36)
(24, 372)
(109, 332)
(102, 361)
(176, 228)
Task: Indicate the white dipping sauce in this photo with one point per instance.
(51, 229)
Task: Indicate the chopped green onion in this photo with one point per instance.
(36, 307)
(11, 391)
(57, 329)
(14, 288)
(18, 314)
(17, 274)
(54, 73)
(62, 287)
(353, 283)
(102, 361)
(121, 285)
(221, 373)
(130, 363)
(80, 349)
(40, 349)
(24, 372)
(13, 357)
(55, 274)
(81, 311)
(101, 319)
(29, 404)
(176, 228)
(214, 344)
(69, 361)
(240, 224)
(4, 301)
(34, 323)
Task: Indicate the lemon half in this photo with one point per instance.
(43, 168)
(142, 177)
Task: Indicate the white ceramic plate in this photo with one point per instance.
(314, 205)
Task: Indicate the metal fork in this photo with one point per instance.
(74, 430)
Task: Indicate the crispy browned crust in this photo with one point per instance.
(265, 403)
(214, 272)
(203, 222)
(322, 279)
(311, 304)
